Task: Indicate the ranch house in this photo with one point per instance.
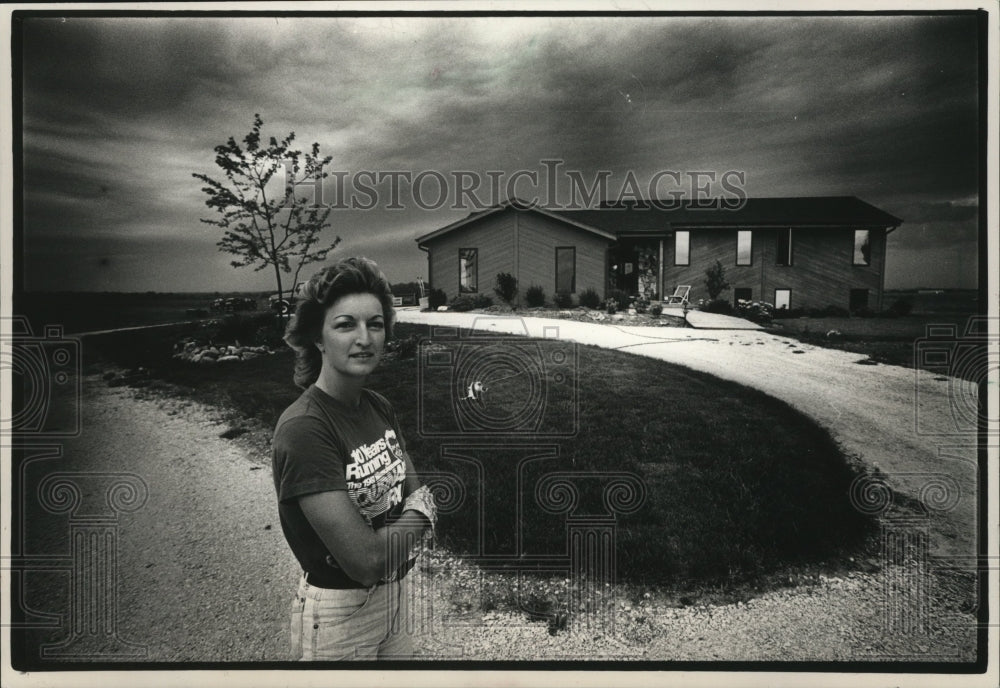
(791, 252)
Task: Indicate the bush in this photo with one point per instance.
(534, 297)
(437, 298)
(462, 303)
(759, 312)
(789, 313)
(481, 301)
(715, 280)
(901, 307)
(590, 298)
(641, 304)
(506, 287)
(563, 300)
(718, 306)
(620, 298)
(864, 312)
(656, 310)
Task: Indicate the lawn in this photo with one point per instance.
(736, 485)
(896, 342)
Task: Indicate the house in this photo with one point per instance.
(791, 252)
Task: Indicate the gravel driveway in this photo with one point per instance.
(205, 574)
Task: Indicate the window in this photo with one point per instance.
(784, 250)
(859, 299)
(862, 247)
(468, 270)
(742, 294)
(565, 269)
(744, 247)
(682, 248)
(782, 299)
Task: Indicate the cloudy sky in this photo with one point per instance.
(119, 112)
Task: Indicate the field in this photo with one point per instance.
(894, 340)
(93, 311)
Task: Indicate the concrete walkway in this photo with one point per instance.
(901, 421)
(717, 321)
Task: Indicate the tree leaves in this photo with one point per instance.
(280, 231)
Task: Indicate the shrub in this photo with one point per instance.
(789, 313)
(718, 306)
(481, 301)
(641, 304)
(436, 298)
(715, 280)
(506, 287)
(462, 303)
(656, 310)
(901, 307)
(834, 312)
(622, 299)
(759, 312)
(611, 306)
(534, 297)
(864, 312)
(563, 299)
(590, 298)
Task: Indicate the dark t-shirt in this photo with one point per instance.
(322, 444)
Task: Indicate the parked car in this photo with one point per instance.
(286, 305)
(239, 303)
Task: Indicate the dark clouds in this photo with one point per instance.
(119, 112)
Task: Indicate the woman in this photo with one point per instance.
(350, 504)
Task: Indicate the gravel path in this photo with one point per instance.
(205, 574)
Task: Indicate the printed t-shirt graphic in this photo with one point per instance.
(375, 475)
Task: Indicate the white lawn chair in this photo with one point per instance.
(680, 295)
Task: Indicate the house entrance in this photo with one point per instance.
(634, 268)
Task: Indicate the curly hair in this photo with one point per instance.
(356, 275)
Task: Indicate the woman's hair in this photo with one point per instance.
(349, 276)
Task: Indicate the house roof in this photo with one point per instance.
(643, 217)
(519, 205)
(814, 211)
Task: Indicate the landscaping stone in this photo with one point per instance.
(205, 354)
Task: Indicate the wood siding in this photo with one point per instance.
(524, 243)
(535, 237)
(822, 272)
(538, 237)
(493, 236)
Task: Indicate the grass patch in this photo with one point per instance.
(737, 485)
(897, 341)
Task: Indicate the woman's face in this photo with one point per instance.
(353, 335)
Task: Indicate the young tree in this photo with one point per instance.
(263, 226)
(715, 280)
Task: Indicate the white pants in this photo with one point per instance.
(355, 624)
